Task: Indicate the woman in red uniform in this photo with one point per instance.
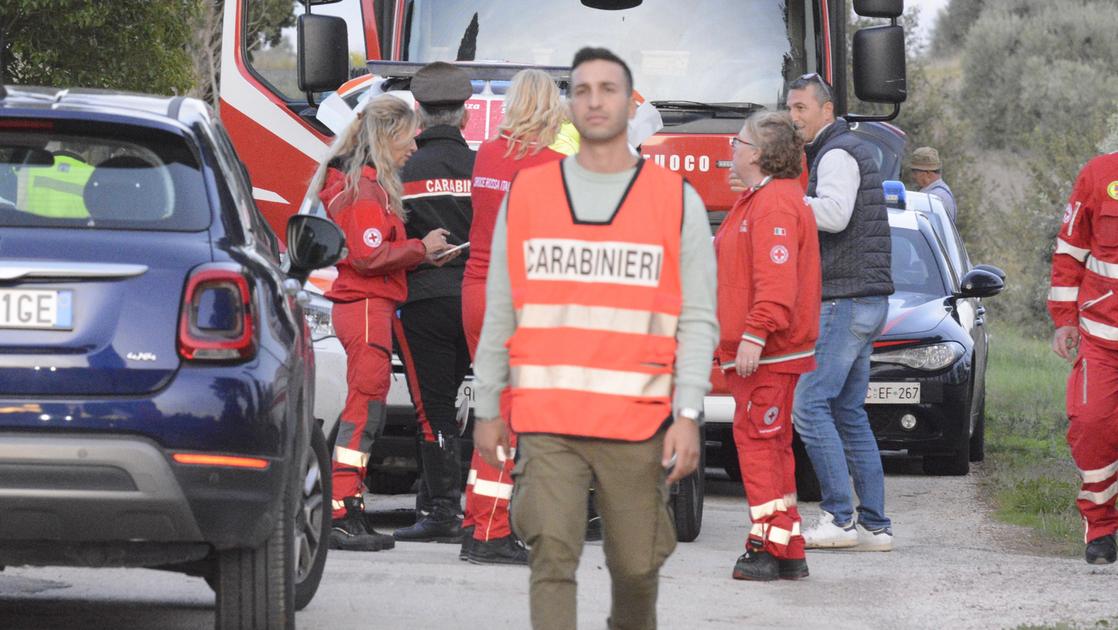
(360, 186)
(768, 312)
(529, 135)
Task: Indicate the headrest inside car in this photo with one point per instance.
(126, 188)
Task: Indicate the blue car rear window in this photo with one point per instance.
(73, 174)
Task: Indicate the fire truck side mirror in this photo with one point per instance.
(323, 54)
(879, 65)
(879, 8)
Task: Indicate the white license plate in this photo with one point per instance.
(35, 308)
(893, 394)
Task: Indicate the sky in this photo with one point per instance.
(929, 9)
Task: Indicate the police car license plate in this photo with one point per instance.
(36, 309)
(893, 394)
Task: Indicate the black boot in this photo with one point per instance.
(442, 475)
(756, 565)
(467, 543)
(350, 533)
(506, 550)
(1101, 550)
(593, 520)
(792, 569)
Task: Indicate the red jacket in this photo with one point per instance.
(1084, 289)
(379, 251)
(493, 173)
(769, 283)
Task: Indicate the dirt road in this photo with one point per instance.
(953, 568)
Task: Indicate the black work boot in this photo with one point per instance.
(1101, 550)
(442, 474)
(756, 565)
(350, 533)
(792, 569)
(505, 550)
(467, 543)
(593, 520)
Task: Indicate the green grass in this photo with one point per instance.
(1031, 478)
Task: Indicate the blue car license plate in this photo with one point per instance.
(45, 309)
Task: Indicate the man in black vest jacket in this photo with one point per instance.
(845, 194)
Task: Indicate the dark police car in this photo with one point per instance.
(156, 377)
(927, 387)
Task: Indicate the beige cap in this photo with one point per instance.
(926, 159)
(441, 84)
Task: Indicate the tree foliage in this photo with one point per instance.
(137, 45)
(1036, 66)
(953, 25)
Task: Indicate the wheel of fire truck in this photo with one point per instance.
(312, 520)
(255, 587)
(807, 484)
(686, 501)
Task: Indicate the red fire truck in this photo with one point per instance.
(704, 65)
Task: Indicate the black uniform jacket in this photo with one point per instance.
(437, 194)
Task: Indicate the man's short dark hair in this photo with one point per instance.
(822, 89)
(590, 53)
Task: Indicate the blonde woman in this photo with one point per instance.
(529, 135)
(360, 186)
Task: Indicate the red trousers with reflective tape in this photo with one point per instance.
(365, 330)
(1092, 406)
(763, 435)
(488, 489)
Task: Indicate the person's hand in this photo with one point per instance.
(736, 184)
(488, 436)
(435, 242)
(681, 443)
(749, 357)
(1065, 342)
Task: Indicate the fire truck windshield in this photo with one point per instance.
(710, 51)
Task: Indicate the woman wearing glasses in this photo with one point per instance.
(768, 312)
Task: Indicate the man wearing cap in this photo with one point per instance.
(429, 332)
(926, 167)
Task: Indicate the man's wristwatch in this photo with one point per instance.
(695, 415)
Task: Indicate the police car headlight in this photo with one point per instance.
(319, 313)
(929, 358)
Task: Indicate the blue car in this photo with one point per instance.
(156, 376)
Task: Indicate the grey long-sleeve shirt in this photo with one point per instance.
(595, 196)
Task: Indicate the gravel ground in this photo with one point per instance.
(953, 567)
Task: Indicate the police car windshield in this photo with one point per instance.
(706, 51)
(915, 266)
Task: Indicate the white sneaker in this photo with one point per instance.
(875, 539)
(825, 534)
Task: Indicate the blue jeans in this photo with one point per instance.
(829, 410)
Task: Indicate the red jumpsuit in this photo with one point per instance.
(769, 291)
(487, 488)
(371, 282)
(1084, 284)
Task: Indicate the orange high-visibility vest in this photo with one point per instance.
(597, 306)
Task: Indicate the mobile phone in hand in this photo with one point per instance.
(447, 252)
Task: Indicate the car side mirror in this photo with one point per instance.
(992, 269)
(323, 52)
(312, 243)
(979, 283)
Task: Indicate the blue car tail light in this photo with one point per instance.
(217, 322)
